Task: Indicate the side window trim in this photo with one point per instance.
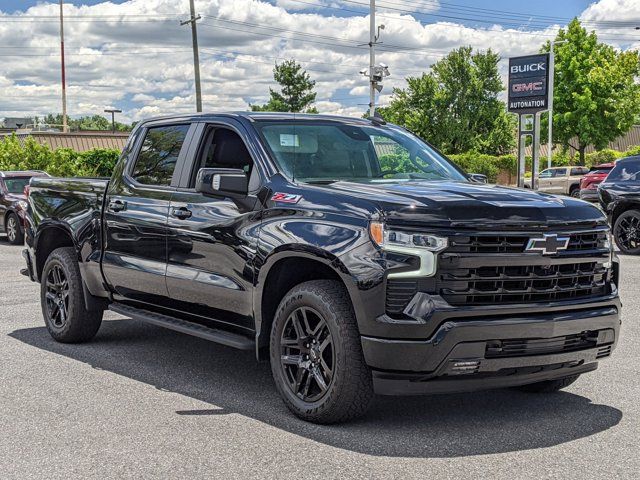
(200, 135)
(139, 142)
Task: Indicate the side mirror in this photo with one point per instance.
(478, 178)
(222, 182)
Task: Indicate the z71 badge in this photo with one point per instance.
(286, 197)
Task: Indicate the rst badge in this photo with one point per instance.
(286, 197)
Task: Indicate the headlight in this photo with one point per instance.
(23, 205)
(423, 246)
(387, 238)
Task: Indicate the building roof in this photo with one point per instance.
(78, 141)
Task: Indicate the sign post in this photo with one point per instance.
(528, 96)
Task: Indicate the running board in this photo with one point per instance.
(219, 336)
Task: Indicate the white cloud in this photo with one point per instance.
(137, 57)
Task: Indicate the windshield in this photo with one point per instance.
(326, 152)
(16, 185)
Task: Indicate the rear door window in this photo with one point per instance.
(159, 154)
(560, 172)
(627, 171)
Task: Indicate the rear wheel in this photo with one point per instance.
(316, 356)
(626, 232)
(548, 386)
(575, 192)
(62, 299)
(14, 232)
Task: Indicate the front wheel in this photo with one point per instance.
(61, 295)
(14, 232)
(316, 356)
(626, 232)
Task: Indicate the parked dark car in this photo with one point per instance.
(620, 198)
(348, 251)
(13, 203)
(589, 183)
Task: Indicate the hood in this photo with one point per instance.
(471, 205)
(14, 197)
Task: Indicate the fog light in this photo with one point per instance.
(464, 367)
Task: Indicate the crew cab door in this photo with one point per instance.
(545, 179)
(560, 180)
(213, 240)
(136, 211)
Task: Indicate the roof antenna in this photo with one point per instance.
(377, 118)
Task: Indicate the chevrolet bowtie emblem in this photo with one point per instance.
(548, 244)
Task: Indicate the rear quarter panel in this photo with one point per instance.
(71, 207)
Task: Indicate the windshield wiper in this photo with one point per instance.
(325, 181)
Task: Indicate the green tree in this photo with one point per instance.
(296, 90)
(596, 97)
(456, 105)
(93, 122)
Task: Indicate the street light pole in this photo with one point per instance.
(65, 128)
(196, 55)
(113, 112)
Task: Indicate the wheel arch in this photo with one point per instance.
(622, 207)
(49, 237)
(284, 269)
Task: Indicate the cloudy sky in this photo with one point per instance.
(135, 56)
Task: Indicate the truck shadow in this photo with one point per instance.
(233, 382)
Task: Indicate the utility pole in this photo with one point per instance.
(372, 57)
(375, 72)
(65, 128)
(552, 73)
(113, 112)
(196, 56)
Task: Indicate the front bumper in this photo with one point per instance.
(589, 194)
(457, 357)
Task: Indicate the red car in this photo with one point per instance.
(589, 183)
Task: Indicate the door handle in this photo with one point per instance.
(116, 206)
(182, 213)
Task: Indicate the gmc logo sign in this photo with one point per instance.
(532, 67)
(527, 87)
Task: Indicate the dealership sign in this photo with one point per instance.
(528, 80)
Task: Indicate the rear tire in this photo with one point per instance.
(548, 386)
(62, 299)
(626, 232)
(15, 236)
(575, 192)
(316, 356)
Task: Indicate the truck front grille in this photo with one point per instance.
(522, 283)
(516, 243)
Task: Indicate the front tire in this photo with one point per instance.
(548, 386)
(15, 236)
(626, 232)
(316, 356)
(62, 299)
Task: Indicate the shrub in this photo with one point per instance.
(62, 162)
(602, 156)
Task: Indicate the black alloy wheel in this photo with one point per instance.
(316, 354)
(307, 355)
(63, 300)
(57, 296)
(626, 232)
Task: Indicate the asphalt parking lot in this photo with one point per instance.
(141, 401)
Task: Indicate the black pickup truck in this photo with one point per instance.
(349, 252)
